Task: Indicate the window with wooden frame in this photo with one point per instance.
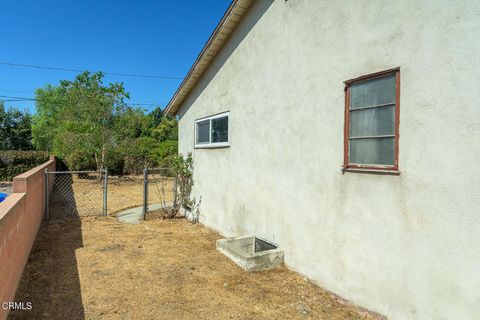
(212, 131)
(372, 105)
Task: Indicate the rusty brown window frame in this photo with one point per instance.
(347, 166)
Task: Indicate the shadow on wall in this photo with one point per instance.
(254, 14)
(50, 280)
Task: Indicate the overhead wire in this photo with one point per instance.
(11, 64)
(133, 102)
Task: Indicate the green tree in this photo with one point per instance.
(50, 103)
(138, 153)
(130, 123)
(90, 125)
(15, 129)
(167, 129)
(155, 116)
(166, 133)
(92, 108)
(165, 152)
(77, 120)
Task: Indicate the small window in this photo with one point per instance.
(212, 131)
(371, 121)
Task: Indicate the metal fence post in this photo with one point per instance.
(175, 187)
(47, 213)
(145, 192)
(105, 189)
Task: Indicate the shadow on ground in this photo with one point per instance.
(159, 269)
(50, 280)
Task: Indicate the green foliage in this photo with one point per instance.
(78, 120)
(15, 129)
(166, 130)
(131, 123)
(138, 154)
(155, 116)
(165, 153)
(91, 112)
(90, 126)
(14, 162)
(50, 102)
(183, 168)
(75, 146)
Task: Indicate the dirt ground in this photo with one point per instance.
(127, 191)
(99, 268)
(124, 192)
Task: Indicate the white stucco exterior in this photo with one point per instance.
(405, 246)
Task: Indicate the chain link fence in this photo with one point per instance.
(124, 192)
(95, 193)
(75, 194)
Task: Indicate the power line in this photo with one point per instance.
(19, 98)
(10, 64)
(133, 102)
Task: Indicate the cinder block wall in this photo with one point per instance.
(20, 217)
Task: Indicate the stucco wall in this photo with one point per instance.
(20, 217)
(404, 246)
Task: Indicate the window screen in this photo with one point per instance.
(371, 130)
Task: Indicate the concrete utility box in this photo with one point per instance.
(251, 253)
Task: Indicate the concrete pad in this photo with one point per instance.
(135, 215)
(251, 253)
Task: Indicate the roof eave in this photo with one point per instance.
(217, 39)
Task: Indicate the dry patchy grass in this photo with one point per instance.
(98, 268)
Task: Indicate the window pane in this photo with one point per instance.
(372, 122)
(203, 131)
(220, 130)
(372, 151)
(373, 92)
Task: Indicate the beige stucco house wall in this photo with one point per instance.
(405, 246)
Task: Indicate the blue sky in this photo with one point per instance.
(153, 37)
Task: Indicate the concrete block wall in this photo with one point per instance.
(20, 217)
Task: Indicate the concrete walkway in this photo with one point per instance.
(135, 215)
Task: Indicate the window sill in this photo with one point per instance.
(372, 171)
(213, 146)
